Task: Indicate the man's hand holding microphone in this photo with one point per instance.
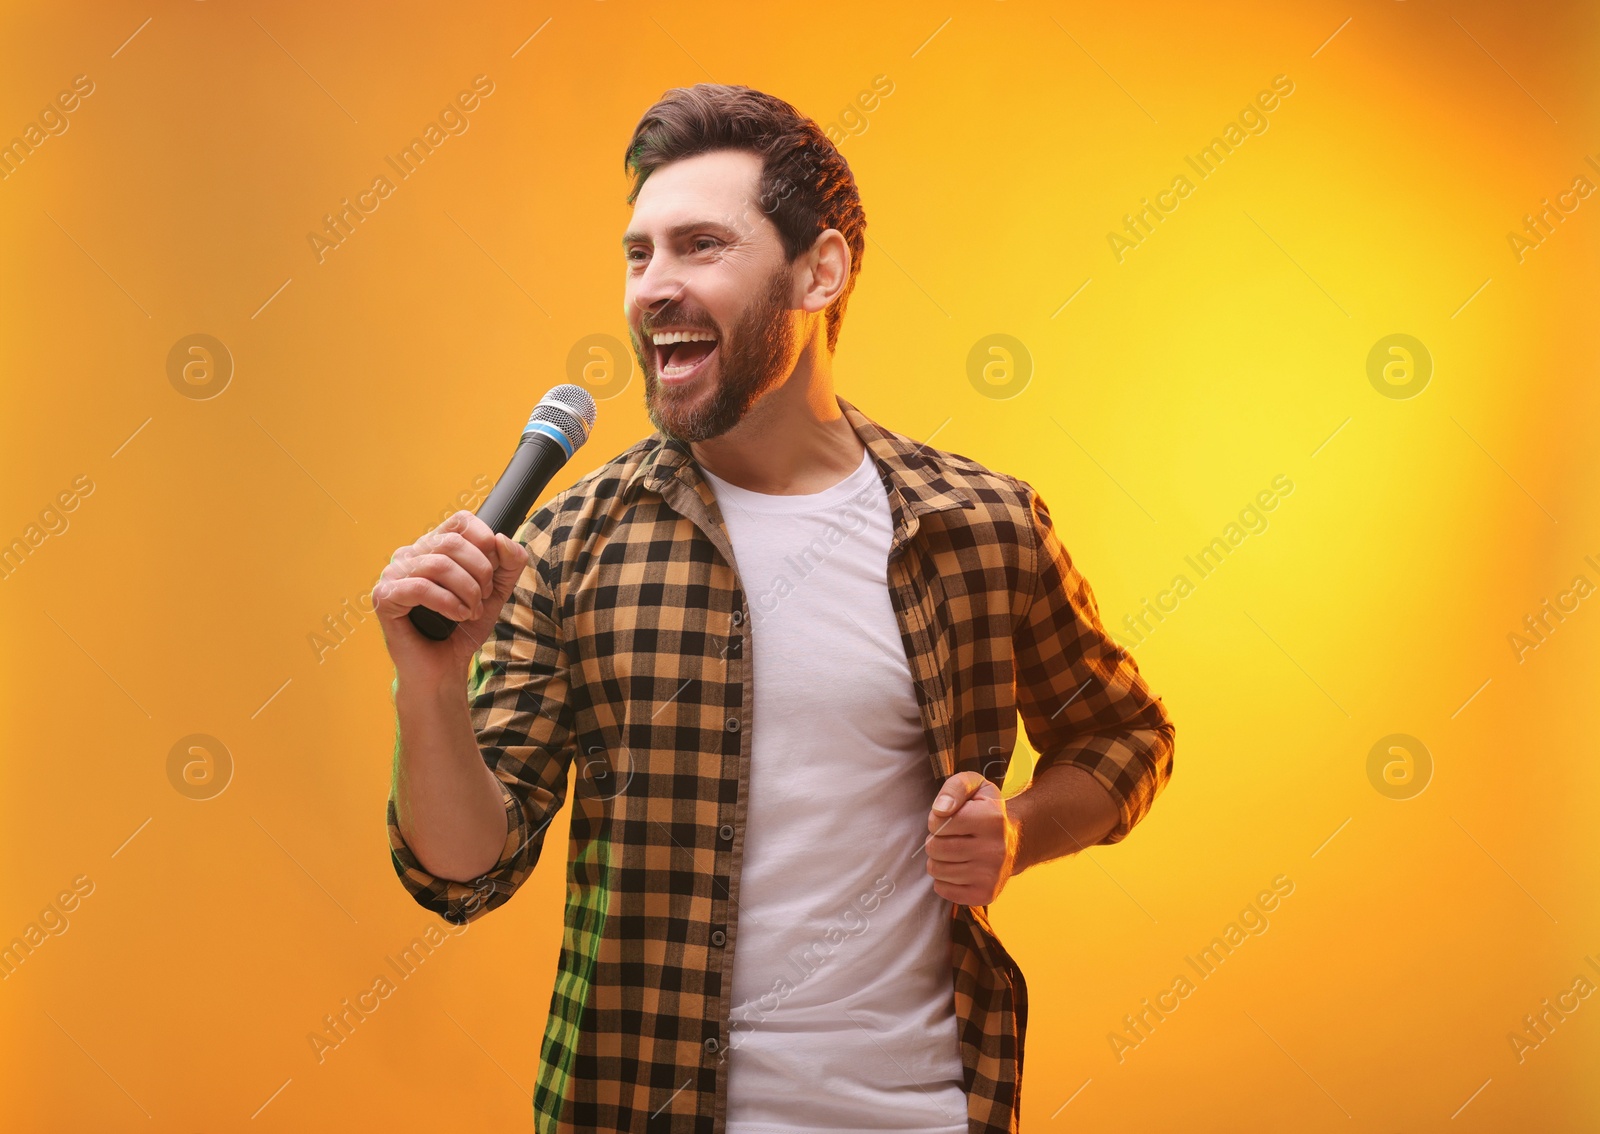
(462, 569)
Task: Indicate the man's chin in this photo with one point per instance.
(668, 412)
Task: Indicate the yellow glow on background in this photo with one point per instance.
(381, 385)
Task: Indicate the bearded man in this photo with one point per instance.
(775, 653)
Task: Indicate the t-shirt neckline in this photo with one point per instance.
(788, 504)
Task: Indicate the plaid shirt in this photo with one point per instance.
(619, 667)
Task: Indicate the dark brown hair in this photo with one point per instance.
(806, 186)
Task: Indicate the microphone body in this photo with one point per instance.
(560, 423)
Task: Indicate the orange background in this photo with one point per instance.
(373, 389)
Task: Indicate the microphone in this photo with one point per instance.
(559, 424)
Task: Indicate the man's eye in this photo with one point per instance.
(706, 240)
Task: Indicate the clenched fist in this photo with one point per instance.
(972, 841)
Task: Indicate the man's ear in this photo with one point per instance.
(827, 268)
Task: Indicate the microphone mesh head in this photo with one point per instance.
(569, 408)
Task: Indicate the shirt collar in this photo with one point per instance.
(915, 470)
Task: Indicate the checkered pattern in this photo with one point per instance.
(618, 681)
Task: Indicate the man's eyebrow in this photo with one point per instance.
(676, 231)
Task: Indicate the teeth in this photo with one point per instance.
(683, 337)
(674, 371)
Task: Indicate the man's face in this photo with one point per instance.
(703, 257)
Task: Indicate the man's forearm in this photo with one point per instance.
(1063, 810)
(448, 804)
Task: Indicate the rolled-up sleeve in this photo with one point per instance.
(1080, 695)
(518, 694)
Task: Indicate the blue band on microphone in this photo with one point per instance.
(550, 431)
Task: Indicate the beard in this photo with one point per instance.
(752, 358)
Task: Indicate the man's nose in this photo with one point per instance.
(660, 283)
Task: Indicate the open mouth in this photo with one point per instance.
(683, 354)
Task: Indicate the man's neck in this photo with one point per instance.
(794, 441)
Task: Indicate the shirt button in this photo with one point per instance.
(738, 617)
(733, 724)
(718, 937)
(711, 1046)
(726, 831)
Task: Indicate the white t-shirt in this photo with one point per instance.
(844, 1015)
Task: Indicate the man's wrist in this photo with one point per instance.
(1062, 811)
(433, 690)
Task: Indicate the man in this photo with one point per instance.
(778, 653)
